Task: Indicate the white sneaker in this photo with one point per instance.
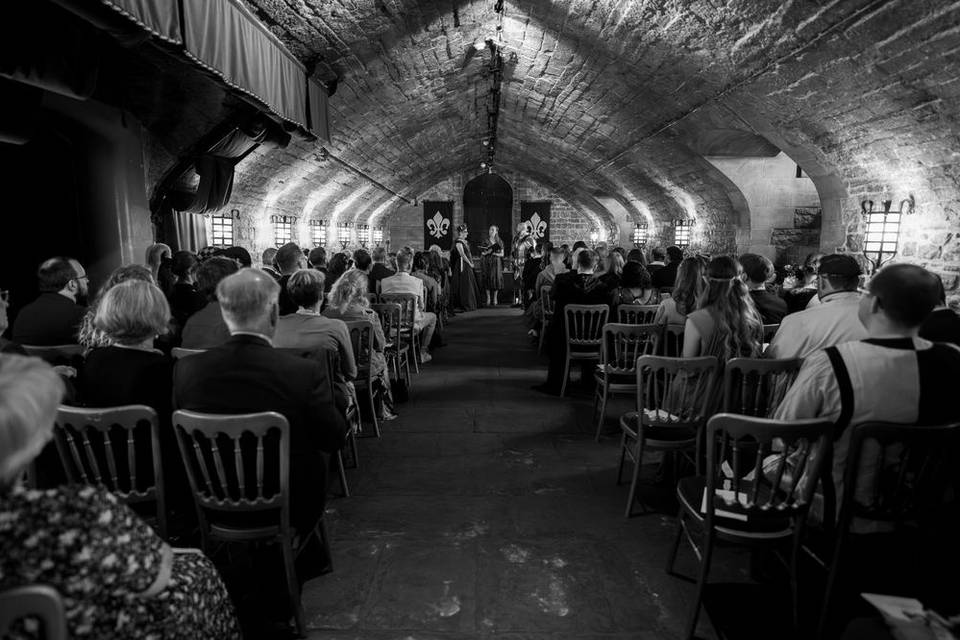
(425, 357)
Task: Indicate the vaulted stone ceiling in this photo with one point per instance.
(618, 98)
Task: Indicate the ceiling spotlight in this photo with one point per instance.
(485, 142)
(483, 165)
(479, 44)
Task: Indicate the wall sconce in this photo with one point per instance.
(282, 229)
(343, 234)
(594, 236)
(378, 235)
(363, 235)
(682, 230)
(882, 238)
(640, 234)
(318, 233)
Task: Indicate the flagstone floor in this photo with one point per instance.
(488, 511)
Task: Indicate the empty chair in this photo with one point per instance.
(38, 602)
(409, 337)
(674, 400)
(584, 331)
(546, 315)
(179, 352)
(755, 386)
(117, 448)
(239, 471)
(759, 504)
(636, 313)
(617, 374)
(894, 475)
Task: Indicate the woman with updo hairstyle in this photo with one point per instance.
(117, 577)
(89, 335)
(348, 302)
(635, 288)
(463, 282)
(726, 323)
(491, 270)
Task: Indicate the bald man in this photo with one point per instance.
(247, 375)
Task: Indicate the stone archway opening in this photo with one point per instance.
(488, 200)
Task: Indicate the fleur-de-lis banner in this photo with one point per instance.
(538, 215)
(438, 224)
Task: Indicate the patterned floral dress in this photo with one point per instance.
(117, 578)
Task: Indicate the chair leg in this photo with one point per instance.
(342, 473)
(672, 558)
(623, 456)
(635, 480)
(831, 581)
(543, 333)
(603, 407)
(354, 452)
(413, 354)
(293, 588)
(373, 409)
(566, 376)
(794, 568)
(701, 583)
(321, 531)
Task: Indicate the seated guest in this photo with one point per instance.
(307, 328)
(431, 286)
(942, 325)
(613, 271)
(318, 259)
(657, 258)
(118, 578)
(90, 336)
(184, 298)
(348, 303)
(800, 291)
(533, 316)
(379, 269)
(268, 262)
(239, 255)
(635, 288)
(155, 255)
(726, 323)
(832, 322)
(247, 375)
(289, 260)
(362, 260)
(686, 292)
(636, 255)
(7, 346)
(206, 328)
(891, 375)
(337, 266)
(757, 270)
(403, 282)
(54, 317)
(667, 276)
(579, 287)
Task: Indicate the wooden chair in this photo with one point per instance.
(397, 358)
(219, 451)
(408, 334)
(903, 467)
(584, 331)
(101, 447)
(546, 315)
(38, 602)
(56, 354)
(769, 330)
(636, 313)
(766, 508)
(361, 338)
(622, 345)
(179, 352)
(674, 400)
(755, 387)
(671, 341)
(665, 293)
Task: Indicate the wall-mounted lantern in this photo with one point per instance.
(363, 235)
(640, 234)
(343, 234)
(882, 238)
(682, 231)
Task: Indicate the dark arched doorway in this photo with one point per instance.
(487, 200)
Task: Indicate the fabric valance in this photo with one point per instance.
(224, 37)
(159, 17)
(319, 122)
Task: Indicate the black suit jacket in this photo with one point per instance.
(378, 272)
(51, 319)
(665, 276)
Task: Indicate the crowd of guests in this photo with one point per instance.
(264, 338)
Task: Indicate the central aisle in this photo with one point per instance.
(487, 510)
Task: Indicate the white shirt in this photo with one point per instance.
(833, 321)
(403, 282)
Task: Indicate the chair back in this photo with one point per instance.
(389, 314)
(107, 447)
(624, 343)
(636, 313)
(759, 467)
(675, 392)
(770, 330)
(906, 469)
(36, 601)
(408, 306)
(236, 463)
(55, 354)
(361, 339)
(584, 325)
(546, 301)
(755, 386)
(179, 352)
(671, 341)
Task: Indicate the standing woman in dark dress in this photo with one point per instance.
(492, 266)
(463, 284)
(523, 245)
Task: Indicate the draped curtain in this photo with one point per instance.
(189, 231)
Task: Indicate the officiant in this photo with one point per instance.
(491, 263)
